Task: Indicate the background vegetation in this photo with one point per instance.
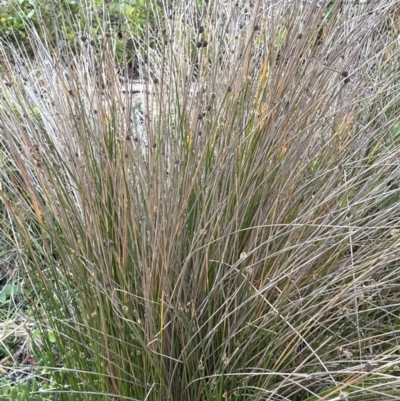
(17, 17)
(229, 229)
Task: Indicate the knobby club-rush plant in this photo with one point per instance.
(229, 230)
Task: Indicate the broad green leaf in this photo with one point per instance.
(9, 290)
(396, 128)
(51, 336)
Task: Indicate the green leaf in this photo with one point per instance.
(51, 336)
(35, 333)
(9, 290)
(396, 128)
(14, 394)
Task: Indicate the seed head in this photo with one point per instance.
(368, 367)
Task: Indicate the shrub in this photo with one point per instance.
(234, 234)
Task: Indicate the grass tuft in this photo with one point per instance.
(227, 227)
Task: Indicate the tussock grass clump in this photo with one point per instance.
(230, 228)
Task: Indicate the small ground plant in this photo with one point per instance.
(228, 228)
